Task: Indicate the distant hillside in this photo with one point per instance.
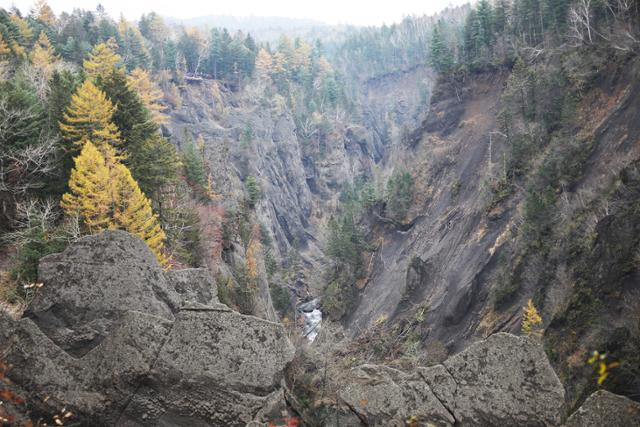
(264, 28)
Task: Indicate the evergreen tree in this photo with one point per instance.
(486, 19)
(253, 190)
(22, 117)
(194, 167)
(62, 86)
(154, 164)
(399, 195)
(441, 56)
(131, 117)
(89, 118)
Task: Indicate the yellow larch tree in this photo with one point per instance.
(279, 64)
(150, 94)
(88, 118)
(43, 13)
(24, 30)
(264, 64)
(133, 212)
(531, 320)
(104, 196)
(324, 67)
(4, 47)
(102, 60)
(43, 56)
(89, 197)
(301, 58)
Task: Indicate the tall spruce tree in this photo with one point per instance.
(132, 119)
(441, 55)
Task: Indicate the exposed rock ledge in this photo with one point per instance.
(503, 380)
(118, 342)
(109, 338)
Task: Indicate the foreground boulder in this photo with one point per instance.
(503, 380)
(215, 368)
(92, 283)
(193, 286)
(383, 396)
(162, 358)
(606, 409)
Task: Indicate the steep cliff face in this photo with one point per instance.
(437, 257)
(254, 133)
(481, 240)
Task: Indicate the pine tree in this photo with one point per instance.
(194, 167)
(132, 119)
(531, 320)
(88, 118)
(90, 196)
(253, 190)
(102, 60)
(154, 164)
(441, 55)
(399, 195)
(149, 93)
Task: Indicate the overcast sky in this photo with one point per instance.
(357, 12)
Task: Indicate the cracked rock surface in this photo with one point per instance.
(606, 409)
(156, 356)
(502, 380)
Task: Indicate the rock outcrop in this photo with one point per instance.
(92, 283)
(503, 380)
(193, 285)
(156, 358)
(383, 396)
(606, 409)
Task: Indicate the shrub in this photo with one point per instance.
(254, 192)
(281, 299)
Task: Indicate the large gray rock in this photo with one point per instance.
(210, 367)
(205, 365)
(92, 283)
(216, 368)
(606, 409)
(383, 396)
(502, 380)
(194, 285)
